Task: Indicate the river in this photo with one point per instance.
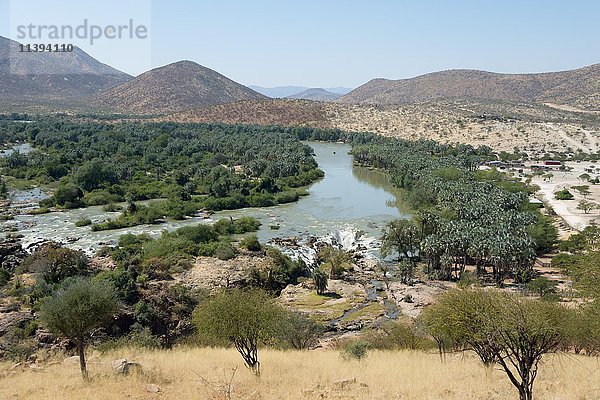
(348, 199)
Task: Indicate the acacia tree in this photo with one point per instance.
(586, 206)
(78, 308)
(501, 328)
(243, 318)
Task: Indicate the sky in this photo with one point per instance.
(330, 43)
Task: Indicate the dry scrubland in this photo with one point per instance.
(535, 129)
(530, 127)
(299, 375)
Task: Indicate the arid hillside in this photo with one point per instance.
(45, 77)
(579, 88)
(175, 87)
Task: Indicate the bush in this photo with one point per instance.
(298, 332)
(225, 251)
(355, 350)
(83, 222)
(398, 335)
(563, 195)
(55, 263)
(251, 243)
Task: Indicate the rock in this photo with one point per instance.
(152, 388)
(125, 367)
(71, 360)
(344, 383)
(13, 319)
(11, 254)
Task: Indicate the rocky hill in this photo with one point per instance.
(175, 87)
(578, 88)
(44, 77)
(316, 94)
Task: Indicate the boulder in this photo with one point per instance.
(152, 388)
(13, 319)
(126, 367)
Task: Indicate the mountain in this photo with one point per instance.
(175, 87)
(579, 88)
(43, 77)
(278, 92)
(316, 94)
(289, 91)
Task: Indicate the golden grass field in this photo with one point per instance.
(385, 375)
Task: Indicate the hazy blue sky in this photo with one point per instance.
(346, 43)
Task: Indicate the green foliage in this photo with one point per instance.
(587, 206)
(235, 166)
(501, 328)
(563, 194)
(83, 222)
(55, 263)
(225, 251)
(68, 196)
(251, 243)
(75, 310)
(236, 226)
(335, 261)
(355, 350)
(468, 280)
(244, 318)
(398, 335)
(542, 286)
(295, 330)
(278, 273)
(543, 233)
(320, 280)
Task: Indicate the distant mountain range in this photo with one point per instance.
(175, 87)
(316, 94)
(578, 88)
(52, 76)
(77, 81)
(280, 92)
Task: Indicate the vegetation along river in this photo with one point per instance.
(348, 199)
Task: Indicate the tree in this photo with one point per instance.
(78, 308)
(401, 237)
(587, 206)
(320, 280)
(244, 318)
(583, 190)
(501, 328)
(69, 196)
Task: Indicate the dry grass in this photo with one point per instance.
(299, 375)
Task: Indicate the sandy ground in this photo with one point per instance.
(567, 209)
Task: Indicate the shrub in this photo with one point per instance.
(563, 195)
(355, 350)
(224, 251)
(298, 331)
(251, 243)
(83, 222)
